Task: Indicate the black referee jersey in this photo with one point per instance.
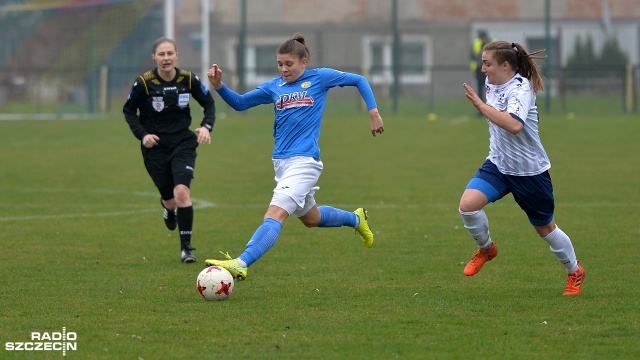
(164, 105)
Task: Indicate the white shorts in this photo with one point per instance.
(296, 178)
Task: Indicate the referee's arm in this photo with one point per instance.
(204, 98)
(130, 110)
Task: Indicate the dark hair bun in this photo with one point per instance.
(299, 38)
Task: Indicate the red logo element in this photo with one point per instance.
(216, 268)
(292, 100)
(201, 289)
(224, 288)
(294, 103)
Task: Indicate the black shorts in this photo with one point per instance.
(172, 162)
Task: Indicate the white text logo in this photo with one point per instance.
(46, 341)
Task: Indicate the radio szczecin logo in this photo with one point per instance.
(46, 341)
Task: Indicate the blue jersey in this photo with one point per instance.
(298, 107)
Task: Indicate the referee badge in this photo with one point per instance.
(157, 103)
(183, 100)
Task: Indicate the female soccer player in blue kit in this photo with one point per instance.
(517, 162)
(299, 97)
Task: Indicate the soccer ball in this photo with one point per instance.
(214, 283)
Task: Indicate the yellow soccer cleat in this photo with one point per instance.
(230, 264)
(363, 227)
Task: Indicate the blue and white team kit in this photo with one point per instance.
(517, 163)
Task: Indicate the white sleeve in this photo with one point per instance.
(520, 101)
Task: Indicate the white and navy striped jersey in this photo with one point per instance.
(521, 154)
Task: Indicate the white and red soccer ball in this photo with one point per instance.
(214, 283)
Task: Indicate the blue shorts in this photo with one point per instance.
(534, 194)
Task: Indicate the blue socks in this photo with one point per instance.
(262, 240)
(332, 217)
(266, 235)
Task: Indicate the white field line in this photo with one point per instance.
(52, 116)
(197, 204)
(204, 204)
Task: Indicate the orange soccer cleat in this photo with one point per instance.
(479, 259)
(574, 282)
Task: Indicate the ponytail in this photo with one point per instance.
(521, 61)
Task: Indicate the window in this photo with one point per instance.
(414, 59)
(265, 61)
(260, 59)
(377, 59)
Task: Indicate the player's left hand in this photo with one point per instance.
(375, 122)
(203, 135)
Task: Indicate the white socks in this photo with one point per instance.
(477, 225)
(241, 262)
(561, 246)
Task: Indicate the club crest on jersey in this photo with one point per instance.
(157, 103)
(293, 100)
(306, 84)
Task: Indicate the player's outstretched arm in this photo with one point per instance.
(500, 118)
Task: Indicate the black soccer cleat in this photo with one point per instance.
(170, 219)
(187, 256)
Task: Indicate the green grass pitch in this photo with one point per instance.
(84, 246)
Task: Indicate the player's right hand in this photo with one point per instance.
(215, 76)
(150, 140)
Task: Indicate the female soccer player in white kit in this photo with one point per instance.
(299, 98)
(517, 162)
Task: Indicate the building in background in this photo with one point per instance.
(99, 46)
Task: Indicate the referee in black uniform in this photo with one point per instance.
(161, 96)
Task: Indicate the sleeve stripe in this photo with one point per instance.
(145, 85)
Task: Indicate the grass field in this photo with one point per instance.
(85, 248)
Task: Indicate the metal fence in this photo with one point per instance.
(106, 92)
(84, 59)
